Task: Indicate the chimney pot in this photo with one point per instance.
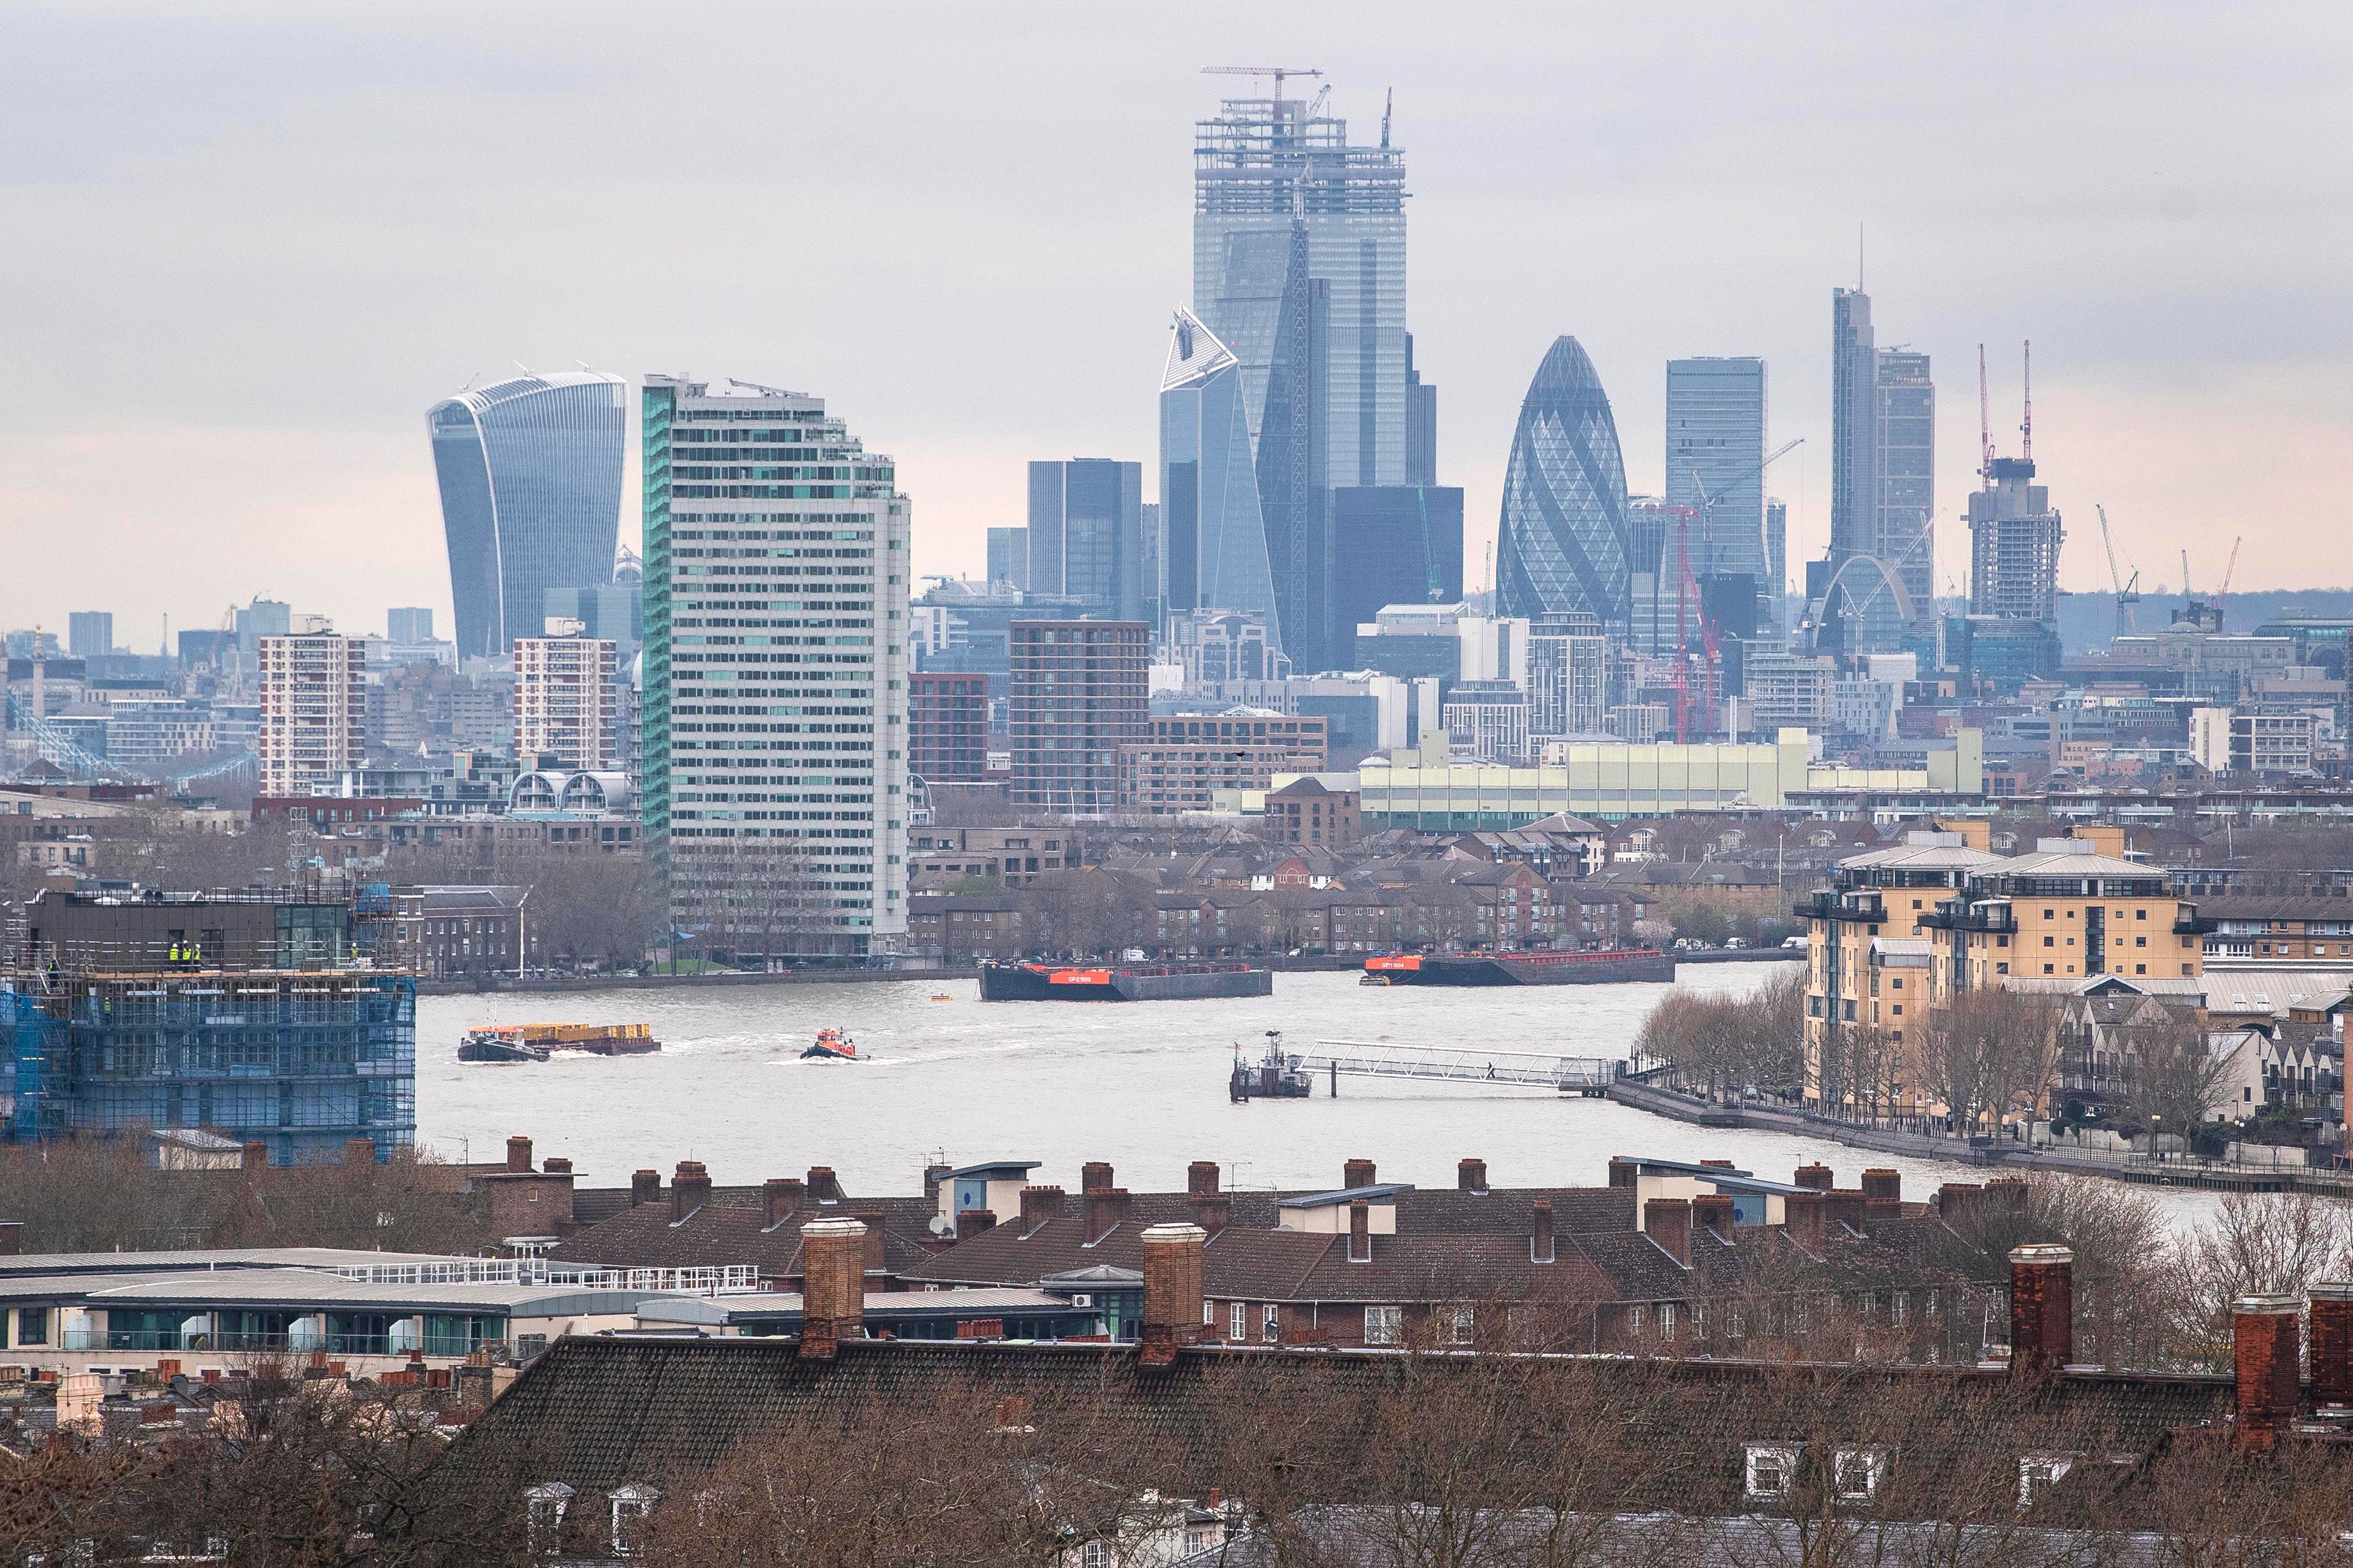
(1039, 1205)
(781, 1197)
(1360, 1231)
(1471, 1175)
(519, 1154)
(1668, 1222)
(1883, 1184)
(1201, 1178)
(645, 1186)
(973, 1222)
(2332, 1344)
(2263, 1345)
(1540, 1246)
(1172, 1291)
(255, 1157)
(1817, 1176)
(1356, 1174)
(1093, 1176)
(2041, 1309)
(833, 1285)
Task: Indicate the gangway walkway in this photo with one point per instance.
(1459, 1064)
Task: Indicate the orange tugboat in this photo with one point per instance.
(832, 1046)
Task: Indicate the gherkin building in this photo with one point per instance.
(1563, 544)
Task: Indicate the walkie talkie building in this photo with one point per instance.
(1563, 546)
(531, 497)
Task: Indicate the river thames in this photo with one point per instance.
(1142, 1085)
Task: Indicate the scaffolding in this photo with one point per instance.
(301, 1060)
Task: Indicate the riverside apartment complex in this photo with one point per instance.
(775, 679)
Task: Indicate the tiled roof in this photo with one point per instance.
(1510, 1211)
(731, 1227)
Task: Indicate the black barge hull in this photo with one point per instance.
(1049, 982)
(1523, 968)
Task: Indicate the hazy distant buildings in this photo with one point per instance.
(1213, 552)
(1008, 556)
(1420, 424)
(1259, 165)
(948, 727)
(1080, 692)
(1393, 544)
(1715, 462)
(529, 473)
(313, 711)
(408, 626)
(567, 703)
(614, 611)
(1565, 546)
(1295, 481)
(1880, 589)
(1085, 536)
(2014, 540)
(90, 634)
(1569, 675)
(1907, 470)
(774, 718)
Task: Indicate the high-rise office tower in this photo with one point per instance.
(1259, 166)
(408, 626)
(1854, 426)
(1395, 544)
(1777, 564)
(90, 634)
(530, 472)
(313, 709)
(615, 612)
(1906, 470)
(1294, 483)
(568, 702)
(1086, 533)
(1420, 424)
(1213, 551)
(1008, 556)
(2014, 540)
(1715, 467)
(1565, 545)
(775, 719)
(1080, 692)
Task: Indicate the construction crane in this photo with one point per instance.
(2229, 570)
(1985, 423)
(1277, 72)
(2026, 425)
(2127, 593)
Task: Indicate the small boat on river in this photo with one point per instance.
(537, 1042)
(832, 1046)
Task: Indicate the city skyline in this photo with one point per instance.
(277, 456)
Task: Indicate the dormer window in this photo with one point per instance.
(631, 1506)
(1770, 1470)
(2038, 1474)
(1857, 1473)
(544, 1507)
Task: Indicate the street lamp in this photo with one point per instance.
(2156, 1127)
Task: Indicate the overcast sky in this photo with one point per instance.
(245, 246)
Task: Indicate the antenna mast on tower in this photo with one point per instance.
(2026, 429)
(1985, 423)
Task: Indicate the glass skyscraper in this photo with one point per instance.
(1259, 166)
(1085, 536)
(1715, 444)
(1213, 538)
(530, 471)
(776, 681)
(1565, 544)
(1880, 596)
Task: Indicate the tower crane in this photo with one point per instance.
(2127, 593)
(1277, 72)
(2229, 570)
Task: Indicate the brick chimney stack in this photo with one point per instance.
(1356, 1174)
(1093, 1176)
(2263, 1346)
(1106, 1207)
(255, 1157)
(645, 1187)
(519, 1154)
(2041, 1309)
(1360, 1231)
(933, 1176)
(1883, 1184)
(1039, 1205)
(973, 1222)
(833, 1285)
(1623, 1170)
(1802, 1218)
(362, 1152)
(1816, 1176)
(1201, 1178)
(12, 1238)
(1668, 1222)
(2332, 1344)
(1213, 1211)
(689, 1189)
(557, 1165)
(1172, 1291)
(1713, 1211)
(782, 1196)
(1471, 1176)
(1844, 1207)
(824, 1186)
(1540, 1248)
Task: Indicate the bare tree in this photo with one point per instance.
(2173, 1079)
(1987, 1052)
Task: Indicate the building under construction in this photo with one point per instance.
(262, 1016)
